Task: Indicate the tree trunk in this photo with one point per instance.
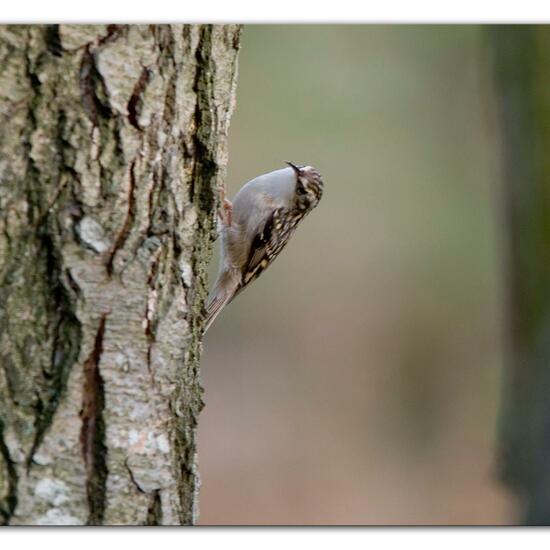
(522, 69)
(113, 146)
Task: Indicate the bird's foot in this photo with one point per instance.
(226, 211)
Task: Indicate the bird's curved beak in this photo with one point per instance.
(293, 166)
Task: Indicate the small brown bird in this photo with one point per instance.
(258, 225)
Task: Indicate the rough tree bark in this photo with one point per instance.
(522, 70)
(112, 148)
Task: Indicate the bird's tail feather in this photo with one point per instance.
(222, 293)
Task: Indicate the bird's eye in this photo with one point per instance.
(301, 188)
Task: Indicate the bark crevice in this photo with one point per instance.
(136, 99)
(92, 89)
(66, 341)
(92, 435)
(8, 502)
(154, 510)
(128, 221)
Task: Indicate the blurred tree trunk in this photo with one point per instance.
(112, 147)
(522, 71)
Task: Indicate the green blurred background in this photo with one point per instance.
(358, 380)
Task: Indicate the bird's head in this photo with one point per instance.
(309, 186)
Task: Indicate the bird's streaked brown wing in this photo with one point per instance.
(265, 246)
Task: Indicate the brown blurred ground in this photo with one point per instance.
(358, 380)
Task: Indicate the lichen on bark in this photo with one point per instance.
(113, 149)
